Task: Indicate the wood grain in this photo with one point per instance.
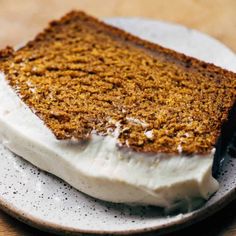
(20, 20)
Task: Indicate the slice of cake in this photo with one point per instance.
(117, 117)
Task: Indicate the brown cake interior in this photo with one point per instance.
(81, 76)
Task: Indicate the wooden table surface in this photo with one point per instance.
(20, 20)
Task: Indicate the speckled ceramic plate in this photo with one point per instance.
(46, 202)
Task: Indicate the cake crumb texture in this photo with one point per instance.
(82, 76)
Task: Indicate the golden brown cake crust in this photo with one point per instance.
(81, 76)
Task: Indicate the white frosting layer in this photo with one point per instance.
(98, 167)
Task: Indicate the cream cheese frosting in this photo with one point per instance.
(100, 168)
